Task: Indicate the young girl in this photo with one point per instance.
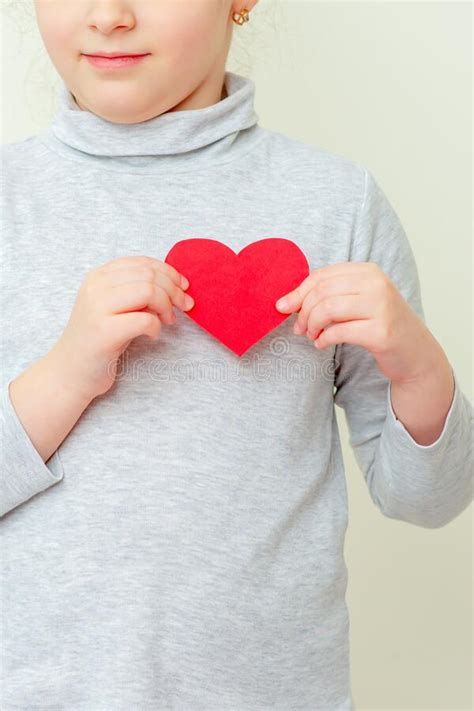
(174, 515)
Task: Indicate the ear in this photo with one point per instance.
(239, 5)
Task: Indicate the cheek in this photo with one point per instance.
(59, 30)
(188, 31)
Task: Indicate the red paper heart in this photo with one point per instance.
(235, 294)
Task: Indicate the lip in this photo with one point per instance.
(114, 54)
(114, 60)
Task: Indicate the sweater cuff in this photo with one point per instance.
(402, 441)
(24, 471)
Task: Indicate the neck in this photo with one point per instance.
(178, 140)
(209, 92)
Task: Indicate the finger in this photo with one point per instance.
(122, 275)
(137, 296)
(295, 297)
(292, 300)
(168, 321)
(330, 286)
(144, 260)
(356, 332)
(337, 308)
(125, 275)
(127, 326)
(179, 279)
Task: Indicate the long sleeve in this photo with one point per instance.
(24, 473)
(426, 485)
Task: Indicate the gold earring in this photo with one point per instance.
(241, 17)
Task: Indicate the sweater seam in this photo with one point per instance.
(358, 221)
(362, 205)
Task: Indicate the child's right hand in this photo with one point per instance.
(116, 302)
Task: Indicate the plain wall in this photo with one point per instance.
(387, 84)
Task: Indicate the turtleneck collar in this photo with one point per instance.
(182, 140)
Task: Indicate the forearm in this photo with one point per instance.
(423, 404)
(48, 402)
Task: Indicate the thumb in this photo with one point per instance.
(293, 300)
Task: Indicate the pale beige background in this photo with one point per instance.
(386, 84)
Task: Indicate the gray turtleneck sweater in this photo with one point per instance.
(183, 547)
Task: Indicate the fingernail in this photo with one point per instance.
(282, 303)
(184, 282)
(188, 301)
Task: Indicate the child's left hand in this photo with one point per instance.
(356, 302)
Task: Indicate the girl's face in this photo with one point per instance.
(187, 42)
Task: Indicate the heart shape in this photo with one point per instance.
(235, 294)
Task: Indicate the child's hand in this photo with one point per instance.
(118, 301)
(356, 302)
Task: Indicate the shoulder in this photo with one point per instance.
(303, 157)
(22, 155)
(16, 149)
(23, 169)
(311, 167)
